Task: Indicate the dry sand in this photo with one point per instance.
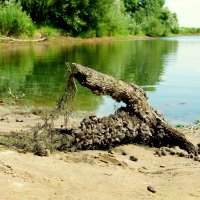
(94, 175)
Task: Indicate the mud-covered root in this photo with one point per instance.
(116, 129)
(140, 123)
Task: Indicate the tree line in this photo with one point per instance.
(93, 18)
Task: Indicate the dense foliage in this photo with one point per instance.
(88, 18)
(13, 21)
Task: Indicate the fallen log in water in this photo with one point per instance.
(138, 122)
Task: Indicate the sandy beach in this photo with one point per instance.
(89, 175)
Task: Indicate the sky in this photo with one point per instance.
(188, 11)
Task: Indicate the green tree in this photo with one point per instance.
(153, 27)
(89, 18)
(131, 6)
(69, 15)
(150, 7)
(37, 9)
(153, 7)
(103, 17)
(152, 16)
(170, 21)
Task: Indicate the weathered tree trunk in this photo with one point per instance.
(10, 39)
(138, 122)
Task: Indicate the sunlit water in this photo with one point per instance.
(168, 69)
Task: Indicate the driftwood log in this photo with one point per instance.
(138, 122)
(12, 40)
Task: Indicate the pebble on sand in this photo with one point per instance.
(151, 189)
(133, 158)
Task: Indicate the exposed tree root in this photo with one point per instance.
(138, 122)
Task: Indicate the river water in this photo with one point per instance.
(167, 68)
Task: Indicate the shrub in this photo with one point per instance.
(101, 30)
(116, 23)
(13, 21)
(153, 27)
(188, 31)
(88, 33)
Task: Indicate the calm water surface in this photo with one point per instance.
(168, 69)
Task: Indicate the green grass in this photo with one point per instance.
(50, 31)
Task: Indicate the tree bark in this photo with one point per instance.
(138, 122)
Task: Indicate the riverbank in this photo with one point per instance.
(64, 40)
(99, 39)
(93, 174)
(77, 40)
